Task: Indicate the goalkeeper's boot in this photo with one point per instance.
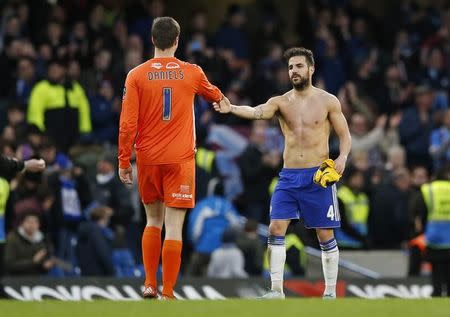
(273, 295)
(150, 292)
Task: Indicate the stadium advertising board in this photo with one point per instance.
(130, 289)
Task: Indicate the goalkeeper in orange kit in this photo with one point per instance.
(158, 119)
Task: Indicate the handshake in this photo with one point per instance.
(326, 174)
(223, 106)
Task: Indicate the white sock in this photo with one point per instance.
(277, 258)
(330, 261)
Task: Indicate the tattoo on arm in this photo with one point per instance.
(258, 113)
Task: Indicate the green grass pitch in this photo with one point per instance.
(231, 308)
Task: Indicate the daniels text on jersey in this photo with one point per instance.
(166, 75)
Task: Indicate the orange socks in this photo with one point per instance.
(151, 250)
(171, 260)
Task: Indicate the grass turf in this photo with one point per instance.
(231, 308)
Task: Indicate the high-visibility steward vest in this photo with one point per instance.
(4, 194)
(204, 159)
(437, 199)
(272, 185)
(357, 212)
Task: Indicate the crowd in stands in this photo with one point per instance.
(63, 68)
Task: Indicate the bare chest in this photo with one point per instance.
(304, 115)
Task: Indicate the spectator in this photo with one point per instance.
(8, 60)
(101, 71)
(391, 137)
(417, 221)
(79, 42)
(415, 127)
(49, 154)
(109, 191)
(30, 194)
(55, 38)
(352, 102)
(388, 218)
(435, 74)
(396, 159)
(258, 167)
(440, 143)
(206, 224)
(205, 168)
(252, 247)
(132, 58)
(16, 121)
(354, 211)
(331, 66)
(29, 147)
(59, 107)
(433, 203)
(227, 261)
(72, 198)
(26, 78)
(95, 244)
(105, 114)
(232, 40)
(141, 25)
(26, 251)
(394, 92)
(362, 139)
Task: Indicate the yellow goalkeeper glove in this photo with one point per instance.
(326, 174)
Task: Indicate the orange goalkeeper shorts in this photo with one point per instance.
(173, 184)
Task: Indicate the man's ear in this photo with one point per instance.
(312, 69)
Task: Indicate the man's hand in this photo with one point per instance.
(39, 256)
(34, 165)
(224, 105)
(339, 164)
(326, 175)
(48, 264)
(381, 121)
(126, 175)
(394, 120)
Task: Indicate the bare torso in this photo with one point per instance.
(305, 126)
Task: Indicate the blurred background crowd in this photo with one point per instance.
(63, 67)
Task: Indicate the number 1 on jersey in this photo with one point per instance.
(167, 103)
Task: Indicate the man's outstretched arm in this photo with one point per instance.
(264, 111)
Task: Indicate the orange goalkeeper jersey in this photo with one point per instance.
(158, 111)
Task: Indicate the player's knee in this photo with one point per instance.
(325, 234)
(155, 220)
(276, 229)
(173, 232)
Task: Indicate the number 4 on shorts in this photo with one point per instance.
(330, 213)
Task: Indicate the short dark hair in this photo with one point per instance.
(165, 31)
(99, 213)
(299, 51)
(28, 213)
